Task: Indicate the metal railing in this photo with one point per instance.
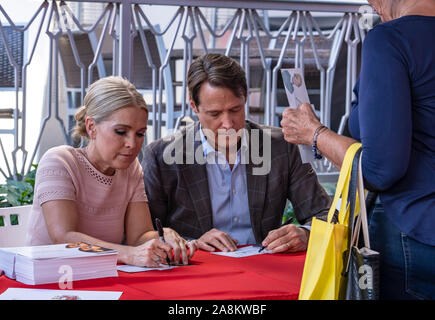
(249, 38)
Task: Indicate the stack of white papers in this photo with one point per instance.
(58, 263)
(7, 262)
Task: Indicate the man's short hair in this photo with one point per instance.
(219, 71)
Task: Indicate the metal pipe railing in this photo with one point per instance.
(246, 31)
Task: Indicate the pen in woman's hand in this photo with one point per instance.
(161, 236)
(290, 220)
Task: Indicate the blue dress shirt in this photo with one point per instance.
(229, 193)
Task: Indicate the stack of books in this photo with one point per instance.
(58, 263)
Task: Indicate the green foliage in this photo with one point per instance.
(289, 213)
(14, 219)
(18, 192)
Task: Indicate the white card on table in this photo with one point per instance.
(244, 252)
(46, 294)
(129, 268)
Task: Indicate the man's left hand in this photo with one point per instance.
(289, 238)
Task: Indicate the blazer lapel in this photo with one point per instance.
(256, 185)
(195, 177)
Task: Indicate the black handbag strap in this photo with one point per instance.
(353, 185)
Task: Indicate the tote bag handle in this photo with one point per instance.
(343, 185)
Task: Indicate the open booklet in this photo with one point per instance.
(297, 94)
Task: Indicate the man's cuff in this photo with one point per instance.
(189, 238)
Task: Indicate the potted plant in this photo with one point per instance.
(18, 192)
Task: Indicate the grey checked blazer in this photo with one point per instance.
(178, 194)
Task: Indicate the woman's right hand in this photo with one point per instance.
(298, 125)
(149, 254)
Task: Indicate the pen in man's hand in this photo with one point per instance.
(290, 220)
(161, 236)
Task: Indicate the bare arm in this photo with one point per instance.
(138, 226)
(61, 220)
(334, 146)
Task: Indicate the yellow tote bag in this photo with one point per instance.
(328, 241)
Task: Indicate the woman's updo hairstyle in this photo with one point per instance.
(103, 98)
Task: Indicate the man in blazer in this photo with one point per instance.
(224, 180)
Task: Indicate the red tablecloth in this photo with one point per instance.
(210, 277)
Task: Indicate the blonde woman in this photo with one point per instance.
(96, 194)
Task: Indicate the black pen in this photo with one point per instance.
(161, 236)
(290, 220)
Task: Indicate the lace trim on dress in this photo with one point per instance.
(53, 195)
(58, 172)
(92, 171)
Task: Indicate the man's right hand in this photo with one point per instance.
(216, 239)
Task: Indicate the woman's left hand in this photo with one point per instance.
(182, 248)
(298, 126)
